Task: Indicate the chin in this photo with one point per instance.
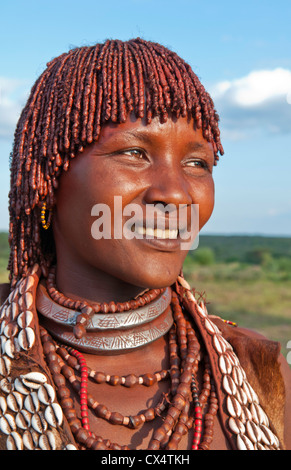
(156, 279)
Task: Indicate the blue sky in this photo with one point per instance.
(241, 51)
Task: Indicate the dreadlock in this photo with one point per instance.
(77, 93)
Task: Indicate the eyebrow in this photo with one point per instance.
(196, 146)
(138, 134)
(144, 137)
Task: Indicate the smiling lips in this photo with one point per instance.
(150, 230)
(156, 233)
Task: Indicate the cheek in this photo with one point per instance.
(205, 199)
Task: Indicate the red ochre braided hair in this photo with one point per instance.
(76, 94)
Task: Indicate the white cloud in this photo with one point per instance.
(258, 102)
(13, 94)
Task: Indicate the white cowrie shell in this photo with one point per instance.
(259, 446)
(7, 424)
(5, 366)
(70, 447)
(52, 438)
(26, 338)
(6, 385)
(38, 423)
(237, 375)
(241, 396)
(246, 389)
(190, 296)
(232, 357)
(245, 414)
(25, 319)
(253, 431)
(233, 407)
(34, 269)
(201, 311)
(28, 299)
(3, 340)
(210, 327)
(262, 417)
(47, 441)
(29, 283)
(21, 286)
(218, 344)
(225, 365)
(33, 380)
(15, 401)
(244, 443)
(20, 387)
(31, 403)
(14, 310)
(23, 419)
(229, 385)
(30, 439)
(268, 433)
(3, 311)
(254, 396)
(3, 406)
(14, 442)
(54, 415)
(255, 413)
(183, 282)
(10, 348)
(46, 394)
(3, 325)
(236, 425)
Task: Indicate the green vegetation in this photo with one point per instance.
(246, 279)
(4, 255)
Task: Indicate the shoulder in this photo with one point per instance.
(263, 358)
(4, 292)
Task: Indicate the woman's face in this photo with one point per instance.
(145, 165)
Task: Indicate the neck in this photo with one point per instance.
(92, 285)
(104, 328)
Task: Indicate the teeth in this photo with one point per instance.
(157, 232)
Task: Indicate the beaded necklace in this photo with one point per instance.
(87, 310)
(35, 395)
(181, 408)
(107, 333)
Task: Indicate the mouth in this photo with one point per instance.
(149, 232)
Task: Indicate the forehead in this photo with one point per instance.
(179, 131)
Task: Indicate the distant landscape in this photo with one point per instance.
(246, 279)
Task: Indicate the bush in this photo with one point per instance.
(204, 256)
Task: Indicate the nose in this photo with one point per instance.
(168, 186)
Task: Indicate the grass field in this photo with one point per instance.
(244, 279)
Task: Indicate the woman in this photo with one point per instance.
(104, 345)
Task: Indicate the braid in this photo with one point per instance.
(77, 93)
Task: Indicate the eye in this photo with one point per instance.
(136, 153)
(197, 163)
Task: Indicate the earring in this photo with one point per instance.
(42, 216)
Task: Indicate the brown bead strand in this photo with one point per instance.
(83, 437)
(186, 337)
(101, 411)
(209, 420)
(175, 407)
(175, 362)
(100, 377)
(111, 307)
(87, 310)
